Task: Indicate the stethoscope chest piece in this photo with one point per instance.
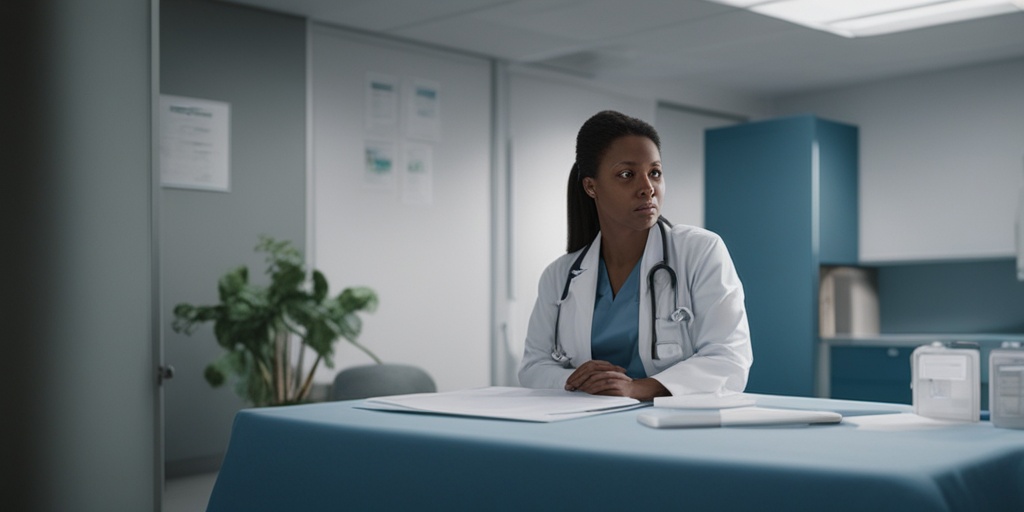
(560, 357)
(666, 345)
(681, 314)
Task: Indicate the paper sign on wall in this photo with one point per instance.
(379, 165)
(423, 110)
(381, 104)
(418, 174)
(194, 143)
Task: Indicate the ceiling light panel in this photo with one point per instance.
(924, 16)
(860, 18)
(824, 12)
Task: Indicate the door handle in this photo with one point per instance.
(164, 372)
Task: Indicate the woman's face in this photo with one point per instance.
(628, 187)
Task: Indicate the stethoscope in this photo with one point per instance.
(679, 314)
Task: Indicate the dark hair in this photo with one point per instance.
(592, 141)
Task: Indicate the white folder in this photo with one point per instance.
(739, 416)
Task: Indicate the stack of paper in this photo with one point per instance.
(725, 410)
(541, 405)
(739, 416)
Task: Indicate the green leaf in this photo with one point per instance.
(278, 253)
(320, 337)
(286, 280)
(232, 283)
(350, 326)
(319, 286)
(186, 316)
(214, 375)
(358, 298)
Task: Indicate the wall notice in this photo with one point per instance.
(418, 175)
(195, 143)
(381, 104)
(379, 165)
(423, 110)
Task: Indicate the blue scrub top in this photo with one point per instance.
(615, 330)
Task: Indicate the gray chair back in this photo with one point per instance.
(384, 379)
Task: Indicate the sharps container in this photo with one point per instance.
(1006, 386)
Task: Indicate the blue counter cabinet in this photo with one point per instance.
(871, 373)
(878, 368)
(782, 194)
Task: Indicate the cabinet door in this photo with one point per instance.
(758, 198)
(782, 193)
(838, 192)
(877, 374)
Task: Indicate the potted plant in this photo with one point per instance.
(261, 328)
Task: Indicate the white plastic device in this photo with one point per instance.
(946, 382)
(1006, 386)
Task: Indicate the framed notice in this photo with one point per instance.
(195, 143)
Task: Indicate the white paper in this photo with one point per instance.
(381, 104)
(510, 403)
(379, 165)
(765, 416)
(704, 401)
(900, 421)
(418, 174)
(194, 143)
(735, 417)
(423, 110)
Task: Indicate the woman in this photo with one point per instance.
(592, 328)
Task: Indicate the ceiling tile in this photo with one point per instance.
(684, 41)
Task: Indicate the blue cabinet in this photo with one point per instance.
(878, 368)
(876, 374)
(782, 193)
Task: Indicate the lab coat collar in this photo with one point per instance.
(583, 293)
(651, 256)
(587, 279)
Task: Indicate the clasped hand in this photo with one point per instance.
(603, 378)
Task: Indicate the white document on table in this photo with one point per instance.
(751, 416)
(508, 403)
(902, 421)
(704, 401)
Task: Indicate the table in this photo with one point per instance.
(336, 456)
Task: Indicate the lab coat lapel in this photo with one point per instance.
(652, 256)
(582, 295)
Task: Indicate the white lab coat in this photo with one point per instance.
(715, 353)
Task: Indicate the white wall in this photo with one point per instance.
(682, 156)
(545, 114)
(685, 93)
(941, 160)
(429, 263)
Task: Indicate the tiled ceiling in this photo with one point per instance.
(677, 41)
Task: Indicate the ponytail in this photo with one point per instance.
(583, 224)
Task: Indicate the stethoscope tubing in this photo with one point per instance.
(559, 354)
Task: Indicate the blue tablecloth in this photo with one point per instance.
(335, 456)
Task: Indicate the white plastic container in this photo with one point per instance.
(946, 382)
(1006, 386)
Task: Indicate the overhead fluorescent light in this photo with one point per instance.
(861, 18)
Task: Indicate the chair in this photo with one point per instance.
(380, 380)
